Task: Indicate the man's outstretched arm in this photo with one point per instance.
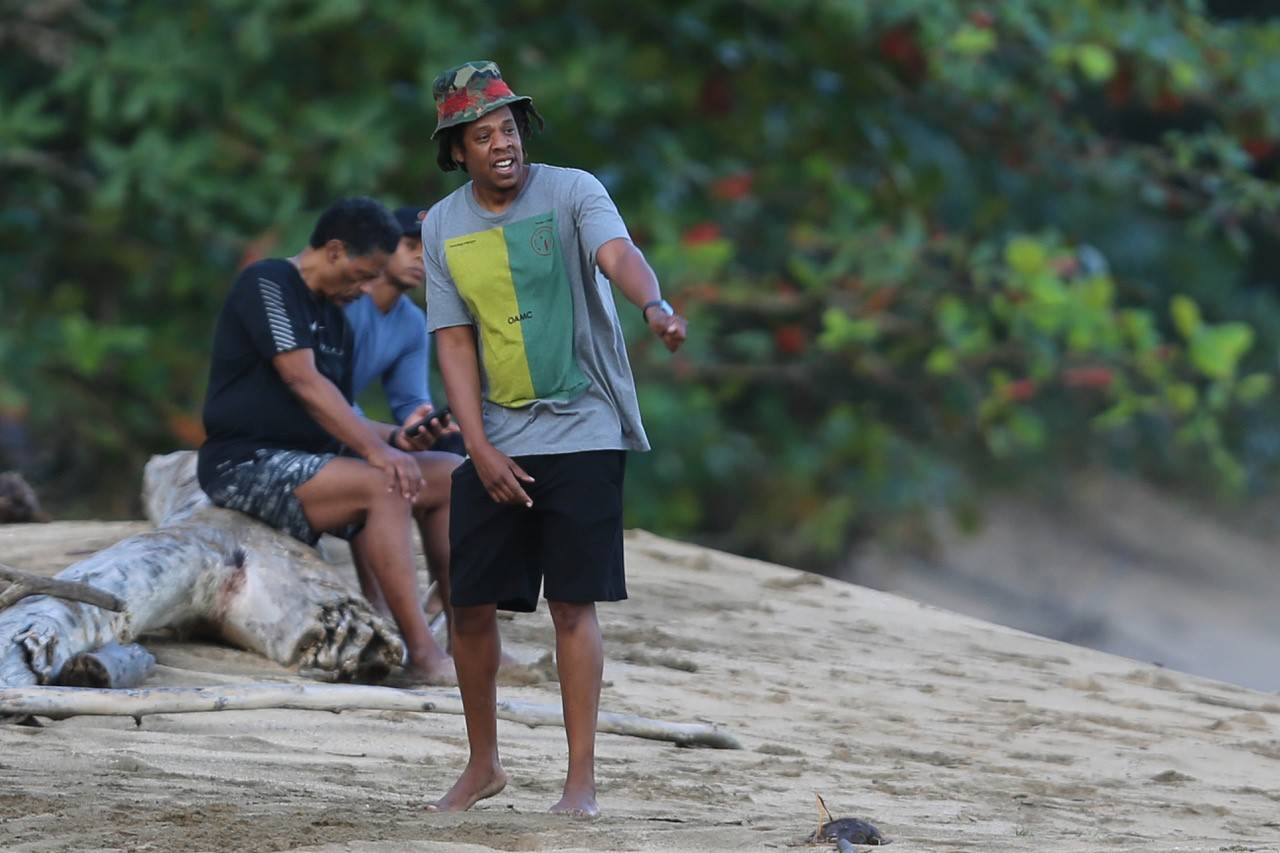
(625, 265)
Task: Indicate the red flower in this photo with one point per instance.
(1067, 265)
(1168, 102)
(1120, 88)
(188, 430)
(733, 187)
(1259, 149)
(880, 299)
(900, 48)
(703, 232)
(257, 248)
(1088, 377)
(1020, 390)
(791, 339)
(981, 18)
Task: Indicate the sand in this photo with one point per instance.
(947, 732)
(1111, 563)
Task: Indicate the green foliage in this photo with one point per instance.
(925, 246)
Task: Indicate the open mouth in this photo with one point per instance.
(506, 166)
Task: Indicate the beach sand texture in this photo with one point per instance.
(948, 733)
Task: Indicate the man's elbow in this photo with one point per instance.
(617, 254)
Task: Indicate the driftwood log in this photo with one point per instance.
(202, 568)
(63, 702)
(112, 665)
(222, 572)
(23, 585)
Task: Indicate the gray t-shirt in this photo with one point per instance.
(553, 363)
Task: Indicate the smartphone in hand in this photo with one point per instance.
(441, 415)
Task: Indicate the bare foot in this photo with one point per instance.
(577, 803)
(438, 673)
(475, 784)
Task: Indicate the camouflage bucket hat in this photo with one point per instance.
(469, 91)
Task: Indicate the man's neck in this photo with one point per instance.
(308, 263)
(496, 200)
(384, 294)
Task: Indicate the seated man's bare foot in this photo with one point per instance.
(577, 803)
(475, 784)
(438, 673)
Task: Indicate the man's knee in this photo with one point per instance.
(572, 615)
(474, 620)
(354, 493)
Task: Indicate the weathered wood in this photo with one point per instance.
(205, 567)
(113, 665)
(62, 702)
(24, 584)
(202, 568)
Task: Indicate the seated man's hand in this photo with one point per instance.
(400, 469)
(429, 434)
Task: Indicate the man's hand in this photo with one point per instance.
(401, 470)
(428, 435)
(671, 328)
(500, 475)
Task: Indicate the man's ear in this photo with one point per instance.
(335, 250)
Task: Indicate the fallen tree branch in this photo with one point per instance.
(207, 570)
(112, 665)
(23, 584)
(59, 703)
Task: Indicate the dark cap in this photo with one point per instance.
(407, 219)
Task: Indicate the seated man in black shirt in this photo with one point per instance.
(284, 444)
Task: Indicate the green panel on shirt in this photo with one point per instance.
(513, 281)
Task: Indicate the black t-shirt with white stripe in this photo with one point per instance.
(247, 406)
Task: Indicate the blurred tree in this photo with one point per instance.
(926, 246)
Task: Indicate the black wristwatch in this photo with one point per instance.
(657, 303)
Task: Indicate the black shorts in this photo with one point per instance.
(571, 537)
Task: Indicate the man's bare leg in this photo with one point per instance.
(580, 662)
(477, 647)
(431, 512)
(369, 587)
(348, 490)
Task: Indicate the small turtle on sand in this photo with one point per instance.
(845, 832)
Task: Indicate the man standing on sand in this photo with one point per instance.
(536, 369)
(278, 414)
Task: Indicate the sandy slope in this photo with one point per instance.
(1110, 563)
(949, 733)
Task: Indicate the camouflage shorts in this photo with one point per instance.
(263, 487)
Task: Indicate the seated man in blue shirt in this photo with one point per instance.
(391, 346)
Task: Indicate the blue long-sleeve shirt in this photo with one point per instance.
(391, 347)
